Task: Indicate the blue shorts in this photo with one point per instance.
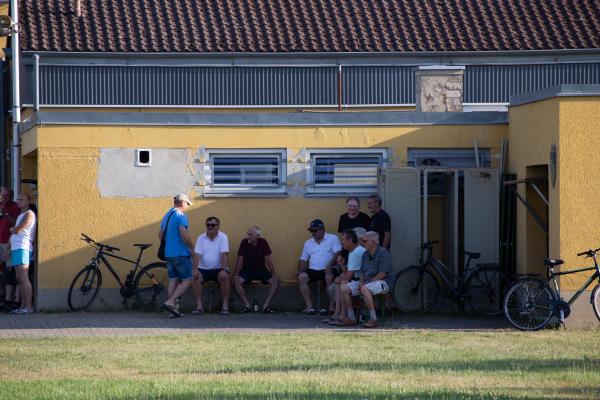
(20, 257)
(179, 267)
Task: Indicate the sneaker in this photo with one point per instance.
(22, 311)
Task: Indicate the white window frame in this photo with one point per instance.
(210, 189)
(341, 190)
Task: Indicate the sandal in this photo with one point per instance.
(323, 311)
(172, 310)
(245, 310)
(224, 312)
(267, 310)
(197, 311)
(308, 311)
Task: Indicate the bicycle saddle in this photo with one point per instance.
(142, 246)
(551, 262)
(474, 256)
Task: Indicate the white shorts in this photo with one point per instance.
(375, 287)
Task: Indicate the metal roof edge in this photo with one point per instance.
(555, 91)
(373, 118)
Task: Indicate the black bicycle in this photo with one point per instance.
(149, 285)
(416, 289)
(531, 303)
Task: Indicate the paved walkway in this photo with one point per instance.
(109, 324)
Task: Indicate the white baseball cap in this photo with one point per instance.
(183, 197)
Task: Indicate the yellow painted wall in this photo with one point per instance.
(70, 202)
(572, 124)
(4, 8)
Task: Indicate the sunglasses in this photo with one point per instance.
(314, 230)
(211, 225)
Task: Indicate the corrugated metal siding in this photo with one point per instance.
(496, 83)
(194, 86)
(378, 85)
(283, 86)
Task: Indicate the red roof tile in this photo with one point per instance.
(280, 26)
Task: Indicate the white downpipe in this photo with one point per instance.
(16, 108)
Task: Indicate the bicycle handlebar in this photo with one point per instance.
(101, 246)
(588, 253)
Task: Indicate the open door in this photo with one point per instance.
(400, 190)
(481, 208)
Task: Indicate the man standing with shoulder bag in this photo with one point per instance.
(178, 251)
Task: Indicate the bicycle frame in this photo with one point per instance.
(102, 256)
(440, 267)
(595, 275)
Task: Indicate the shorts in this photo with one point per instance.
(375, 287)
(210, 274)
(179, 267)
(20, 257)
(261, 275)
(319, 275)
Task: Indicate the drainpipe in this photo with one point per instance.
(16, 108)
(340, 91)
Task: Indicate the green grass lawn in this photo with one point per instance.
(333, 365)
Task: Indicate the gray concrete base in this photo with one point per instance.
(582, 313)
(287, 299)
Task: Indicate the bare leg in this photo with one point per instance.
(368, 297)
(10, 292)
(347, 297)
(225, 288)
(197, 291)
(328, 281)
(25, 286)
(178, 291)
(239, 281)
(304, 289)
(273, 287)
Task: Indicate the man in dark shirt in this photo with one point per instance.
(380, 221)
(354, 218)
(254, 264)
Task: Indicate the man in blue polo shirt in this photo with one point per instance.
(178, 251)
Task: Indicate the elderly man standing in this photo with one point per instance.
(320, 253)
(376, 266)
(354, 218)
(212, 248)
(178, 251)
(380, 221)
(254, 264)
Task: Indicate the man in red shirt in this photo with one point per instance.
(254, 264)
(9, 211)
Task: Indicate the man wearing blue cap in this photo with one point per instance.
(316, 261)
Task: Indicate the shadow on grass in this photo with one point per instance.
(498, 365)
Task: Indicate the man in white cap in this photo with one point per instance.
(178, 251)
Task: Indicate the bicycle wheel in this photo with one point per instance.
(596, 301)
(484, 290)
(84, 288)
(415, 290)
(528, 304)
(151, 286)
